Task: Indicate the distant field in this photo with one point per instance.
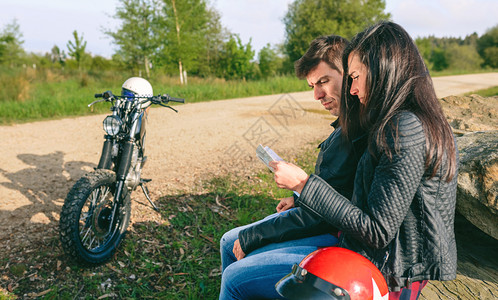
(32, 100)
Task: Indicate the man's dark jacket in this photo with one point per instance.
(336, 164)
(399, 217)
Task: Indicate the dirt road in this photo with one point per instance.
(40, 161)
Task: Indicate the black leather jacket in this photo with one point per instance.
(398, 217)
(336, 164)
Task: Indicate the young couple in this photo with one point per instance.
(385, 179)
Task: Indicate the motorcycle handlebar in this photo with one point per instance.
(165, 98)
(168, 98)
(105, 95)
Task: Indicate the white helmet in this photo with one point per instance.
(137, 87)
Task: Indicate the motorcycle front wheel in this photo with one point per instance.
(88, 232)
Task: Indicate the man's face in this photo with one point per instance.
(326, 84)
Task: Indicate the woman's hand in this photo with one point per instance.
(285, 204)
(289, 176)
(237, 250)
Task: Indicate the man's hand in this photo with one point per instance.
(289, 176)
(237, 250)
(285, 204)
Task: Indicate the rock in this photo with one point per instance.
(476, 220)
(477, 194)
(471, 113)
(475, 118)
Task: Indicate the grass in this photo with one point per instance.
(216, 89)
(489, 92)
(177, 258)
(26, 97)
(460, 72)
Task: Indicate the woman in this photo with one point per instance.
(401, 214)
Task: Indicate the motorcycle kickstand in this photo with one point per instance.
(146, 192)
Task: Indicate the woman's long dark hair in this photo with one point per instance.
(397, 80)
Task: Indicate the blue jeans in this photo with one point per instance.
(255, 276)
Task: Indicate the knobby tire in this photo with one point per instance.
(84, 219)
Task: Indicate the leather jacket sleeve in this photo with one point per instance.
(294, 224)
(336, 164)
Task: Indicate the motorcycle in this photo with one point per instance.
(97, 209)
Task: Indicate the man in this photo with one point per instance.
(254, 257)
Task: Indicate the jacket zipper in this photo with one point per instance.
(386, 257)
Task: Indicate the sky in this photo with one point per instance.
(51, 22)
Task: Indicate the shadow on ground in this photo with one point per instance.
(43, 186)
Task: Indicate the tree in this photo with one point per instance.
(137, 38)
(169, 34)
(77, 48)
(214, 40)
(11, 43)
(5, 40)
(307, 19)
(99, 63)
(487, 47)
(463, 58)
(439, 60)
(235, 59)
(268, 61)
(57, 56)
(187, 24)
(424, 46)
(450, 53)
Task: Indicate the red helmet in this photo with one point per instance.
(334, 273)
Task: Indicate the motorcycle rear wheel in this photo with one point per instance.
(87, 233)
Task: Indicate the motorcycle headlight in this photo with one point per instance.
(112, 125)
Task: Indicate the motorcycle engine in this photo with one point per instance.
(133, 177)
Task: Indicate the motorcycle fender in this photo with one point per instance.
(105, 161)
(125, 161)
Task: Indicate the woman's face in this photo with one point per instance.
(358, 74)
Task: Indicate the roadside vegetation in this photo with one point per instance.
(490, 92)
(48, 94)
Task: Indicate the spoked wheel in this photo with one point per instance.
(89, 233)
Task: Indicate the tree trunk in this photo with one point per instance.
(180, 66)
(147, 70)
(181, 71)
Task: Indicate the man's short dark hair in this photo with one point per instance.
(324, 48)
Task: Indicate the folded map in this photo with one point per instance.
(266, 155)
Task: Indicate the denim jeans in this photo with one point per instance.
(255, 276)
